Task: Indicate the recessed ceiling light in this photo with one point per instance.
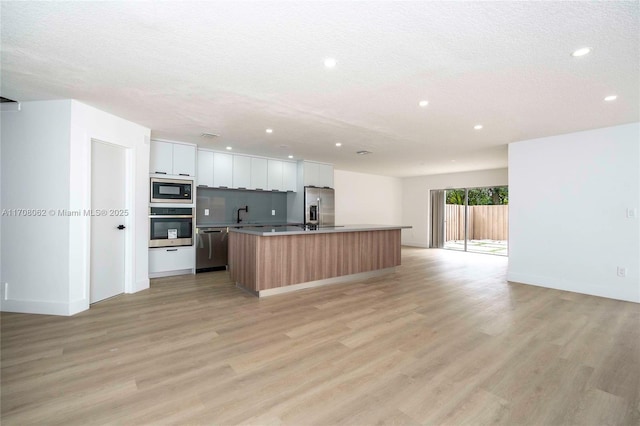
(229, 148)
(330, 62)
(611, 98)
(291, 156)
(423, 103)
(478, 126)
(581, 52)
(338, 144)
(269, 130)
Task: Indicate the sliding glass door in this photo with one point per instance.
(476, 220)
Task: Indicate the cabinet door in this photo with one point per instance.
(161, 160)
(222, 170)
(205, 168)
(171, 259)
(241, 172)
(311, 171)
(184, 160)
(258, 173)
(274, 175)
(289, 176)
(325, 175)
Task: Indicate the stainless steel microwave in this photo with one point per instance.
(171, 191)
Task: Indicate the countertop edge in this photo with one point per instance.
(346, 228)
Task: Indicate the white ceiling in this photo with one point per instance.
(237, 68)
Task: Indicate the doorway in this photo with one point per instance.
(108, 216)
(474, 219)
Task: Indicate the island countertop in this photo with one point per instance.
(270, 231)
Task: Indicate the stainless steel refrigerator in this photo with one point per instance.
(319, 206)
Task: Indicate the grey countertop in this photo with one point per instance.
(243, 224)
(269, 231)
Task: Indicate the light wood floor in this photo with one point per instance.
(444, 340)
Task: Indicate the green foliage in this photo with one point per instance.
(480, 196)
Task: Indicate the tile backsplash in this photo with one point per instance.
(223, 205)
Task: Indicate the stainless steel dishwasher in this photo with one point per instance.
(212, 247)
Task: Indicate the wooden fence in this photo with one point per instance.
(485, 222)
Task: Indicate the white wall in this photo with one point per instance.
(89, 123)
(416, 198)
(46, 164)
(568, 197)
(35, 175)
(367, 199)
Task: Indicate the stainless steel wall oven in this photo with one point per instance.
(170, 226)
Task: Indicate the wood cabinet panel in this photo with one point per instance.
(261, 263)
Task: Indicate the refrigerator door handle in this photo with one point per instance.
(319, 212)
(209, 235)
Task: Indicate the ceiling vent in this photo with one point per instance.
(7, 104)
(363, 152)
(209, 135)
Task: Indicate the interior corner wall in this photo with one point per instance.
(35, 185)
(363, 198)
(416, 198)
(45, 170)
(568, 201)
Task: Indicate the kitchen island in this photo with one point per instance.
(272, 260)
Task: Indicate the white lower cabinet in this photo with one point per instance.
(164, 260)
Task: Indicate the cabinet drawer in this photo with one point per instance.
(171, 259)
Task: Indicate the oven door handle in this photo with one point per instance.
(170, 216)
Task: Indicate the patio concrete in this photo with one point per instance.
(498, 247)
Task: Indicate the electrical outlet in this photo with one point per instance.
(273, 212)
(622, 271)
(206, 212)
(632, 213)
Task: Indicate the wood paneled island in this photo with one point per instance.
(271, 260)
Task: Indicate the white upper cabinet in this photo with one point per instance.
(274, 175)
(184, 160)
(318, 174)
(172, 159)
(205, 168)
(325, 175)
(241, 172)
(259, 173)
(222, 170)
(289, 176)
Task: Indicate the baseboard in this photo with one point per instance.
(141, 285)
(78, 306)
(571, 286)
(414, 244)
(172, 273)
(328, 281)
(35, 307)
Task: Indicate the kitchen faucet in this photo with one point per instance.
(245, 209)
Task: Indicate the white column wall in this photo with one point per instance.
(416, 200)
(35, 175)
(568, 201)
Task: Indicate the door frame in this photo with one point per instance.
(129, 221)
